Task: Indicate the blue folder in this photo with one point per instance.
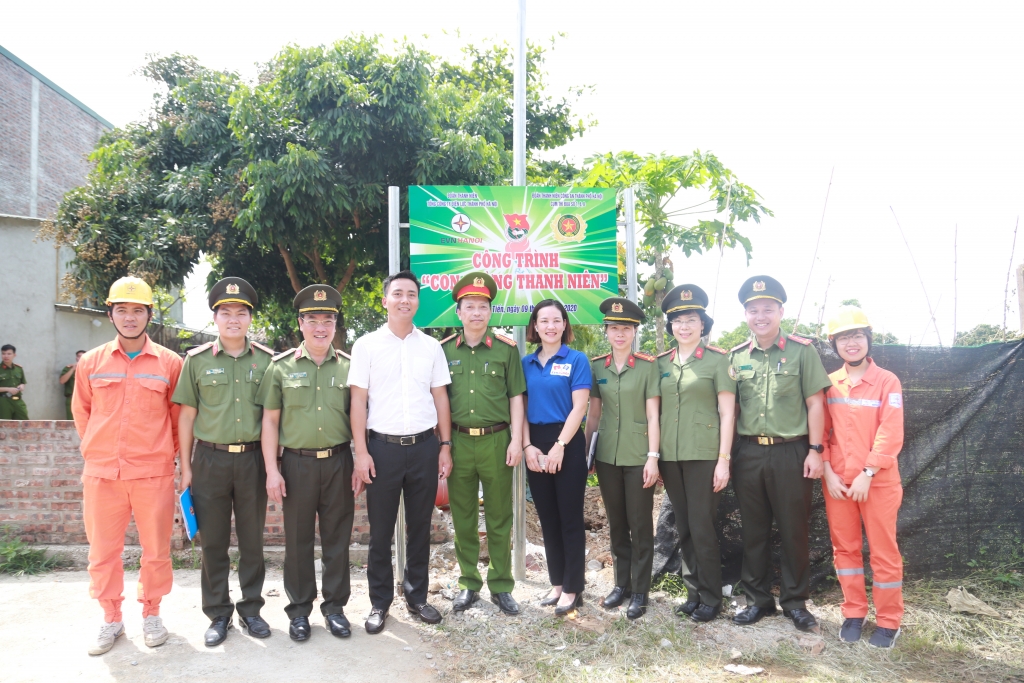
(188, 513)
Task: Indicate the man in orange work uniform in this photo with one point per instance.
(863, 435)
(129, 428)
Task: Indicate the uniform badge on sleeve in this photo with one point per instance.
(896, 400)
(732, 372)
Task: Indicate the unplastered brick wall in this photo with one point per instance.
(41, 490)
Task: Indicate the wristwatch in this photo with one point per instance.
(446, 443)
(560, 442)
(725, 456)
(817, 447)
(654, 454)
(867, 471)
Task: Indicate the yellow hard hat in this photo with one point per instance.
(130, 290)
(846, 319)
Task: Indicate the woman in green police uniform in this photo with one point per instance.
(624, 407)
(698, 414)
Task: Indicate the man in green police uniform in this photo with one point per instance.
(486, 395)
(12, 384)
(781, 420)
(217, 394)
(305, 399)
(67, 378)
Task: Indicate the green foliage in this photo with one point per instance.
(672, 584)
(986, 334)
(19, 558)
(734, 337)
(590, 340)
(884, 338)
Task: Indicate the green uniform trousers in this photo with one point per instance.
(11, 409)
(630, 508)
(223, 481)
(690, 487)
(67, 408)
(317, 487)
(769, 483)
(476, 460)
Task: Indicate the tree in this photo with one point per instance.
(284, 181)
(986, 334)
(656, 180)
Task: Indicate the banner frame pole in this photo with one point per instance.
(394, 265)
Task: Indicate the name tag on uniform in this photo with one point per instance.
(666, 374)
(746, 367)
(296, 375)
(454, 362)
(215, 371)
(603, 380)
(561, 369)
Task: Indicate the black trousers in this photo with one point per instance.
(317, 488)
(223, 481)
(559, 501)
(630, 523)
(690, 485)
(769, 483)
(410, 471)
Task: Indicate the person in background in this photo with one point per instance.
(698, 416)
(558, 389)
(863, 437)
(129, 429)
(221, 420)
(67, 378)
(12, 386)
(486, 396)
(624, 406)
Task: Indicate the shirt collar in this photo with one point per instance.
(387, 330)
(147, 347)
(248, 346)
(630, 362)
(302, 352)
(780, 342)
(698, 354)
(5, 365)
(488, 339)
(560, 353)
(870, 377)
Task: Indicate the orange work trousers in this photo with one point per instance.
(878, 516)
(108, 506)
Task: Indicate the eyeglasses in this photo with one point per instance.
(319, 323)
(688, 322)
(859, 338)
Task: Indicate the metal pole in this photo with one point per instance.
(519, 180)
(394, 265)
(632, 291)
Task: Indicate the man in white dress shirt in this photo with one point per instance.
(398, 381)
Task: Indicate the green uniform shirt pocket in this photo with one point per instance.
(640, 428)
(252, 382)
(787, 381)
(214, 389)
(746, 381)
(455, 369)
(706, 433)
(295, 392)
(496, 372)
(338, 397)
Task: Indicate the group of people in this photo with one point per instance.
(312, 427)
(12, 385)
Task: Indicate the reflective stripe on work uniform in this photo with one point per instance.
(865, 402)
(156, 377)
(891, 584)
(105, 375)
(849, 572)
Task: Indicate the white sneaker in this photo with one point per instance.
(154, 631)
(105, 640)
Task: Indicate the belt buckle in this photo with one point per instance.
(476, 431)
(406, 440)
(764, 441)
(323, 454)
(234, 448)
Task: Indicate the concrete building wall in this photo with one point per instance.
(45, 137)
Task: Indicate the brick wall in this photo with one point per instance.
(41, 490)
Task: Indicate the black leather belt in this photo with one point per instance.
(319, 453)
(231, 447)
(481, 431)
(771, 440)
(402, 440)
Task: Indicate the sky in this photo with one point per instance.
(912, 109)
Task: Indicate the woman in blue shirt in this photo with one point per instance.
(557, 394)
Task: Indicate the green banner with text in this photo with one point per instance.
(536, 242)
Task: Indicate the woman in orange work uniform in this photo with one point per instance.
(864, 434)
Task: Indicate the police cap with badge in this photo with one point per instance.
(687, 299)
(762, 287)
(617, 309)
(317, 299)
(232, 290)
(476, 283)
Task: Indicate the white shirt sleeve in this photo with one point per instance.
(440, 376)
(359, 368)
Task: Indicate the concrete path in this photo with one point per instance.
(47, 622)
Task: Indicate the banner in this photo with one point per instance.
(536, 242)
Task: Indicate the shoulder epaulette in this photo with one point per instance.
(604, 355)
(739, 346)
(199, 349)
(716, 350)
(665, 353)
(448, 339)
(282, 355)
(342, 354)
(508, 340)
(261, 347)
(798, 340)
(646, 357)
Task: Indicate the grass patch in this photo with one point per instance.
(672, 584)
(20, 558)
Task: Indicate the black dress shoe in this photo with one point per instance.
(299, 628)
(218, 631)
(618, 595)
(550, 600)
(255, 626)
(338, 625)
(753, 614)
(506, 603)
(706, 613)
(802, 619)
(688, 607)
(375, 622)
(637, 606)
(426, 612)
(464, 600)
(562, 610)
